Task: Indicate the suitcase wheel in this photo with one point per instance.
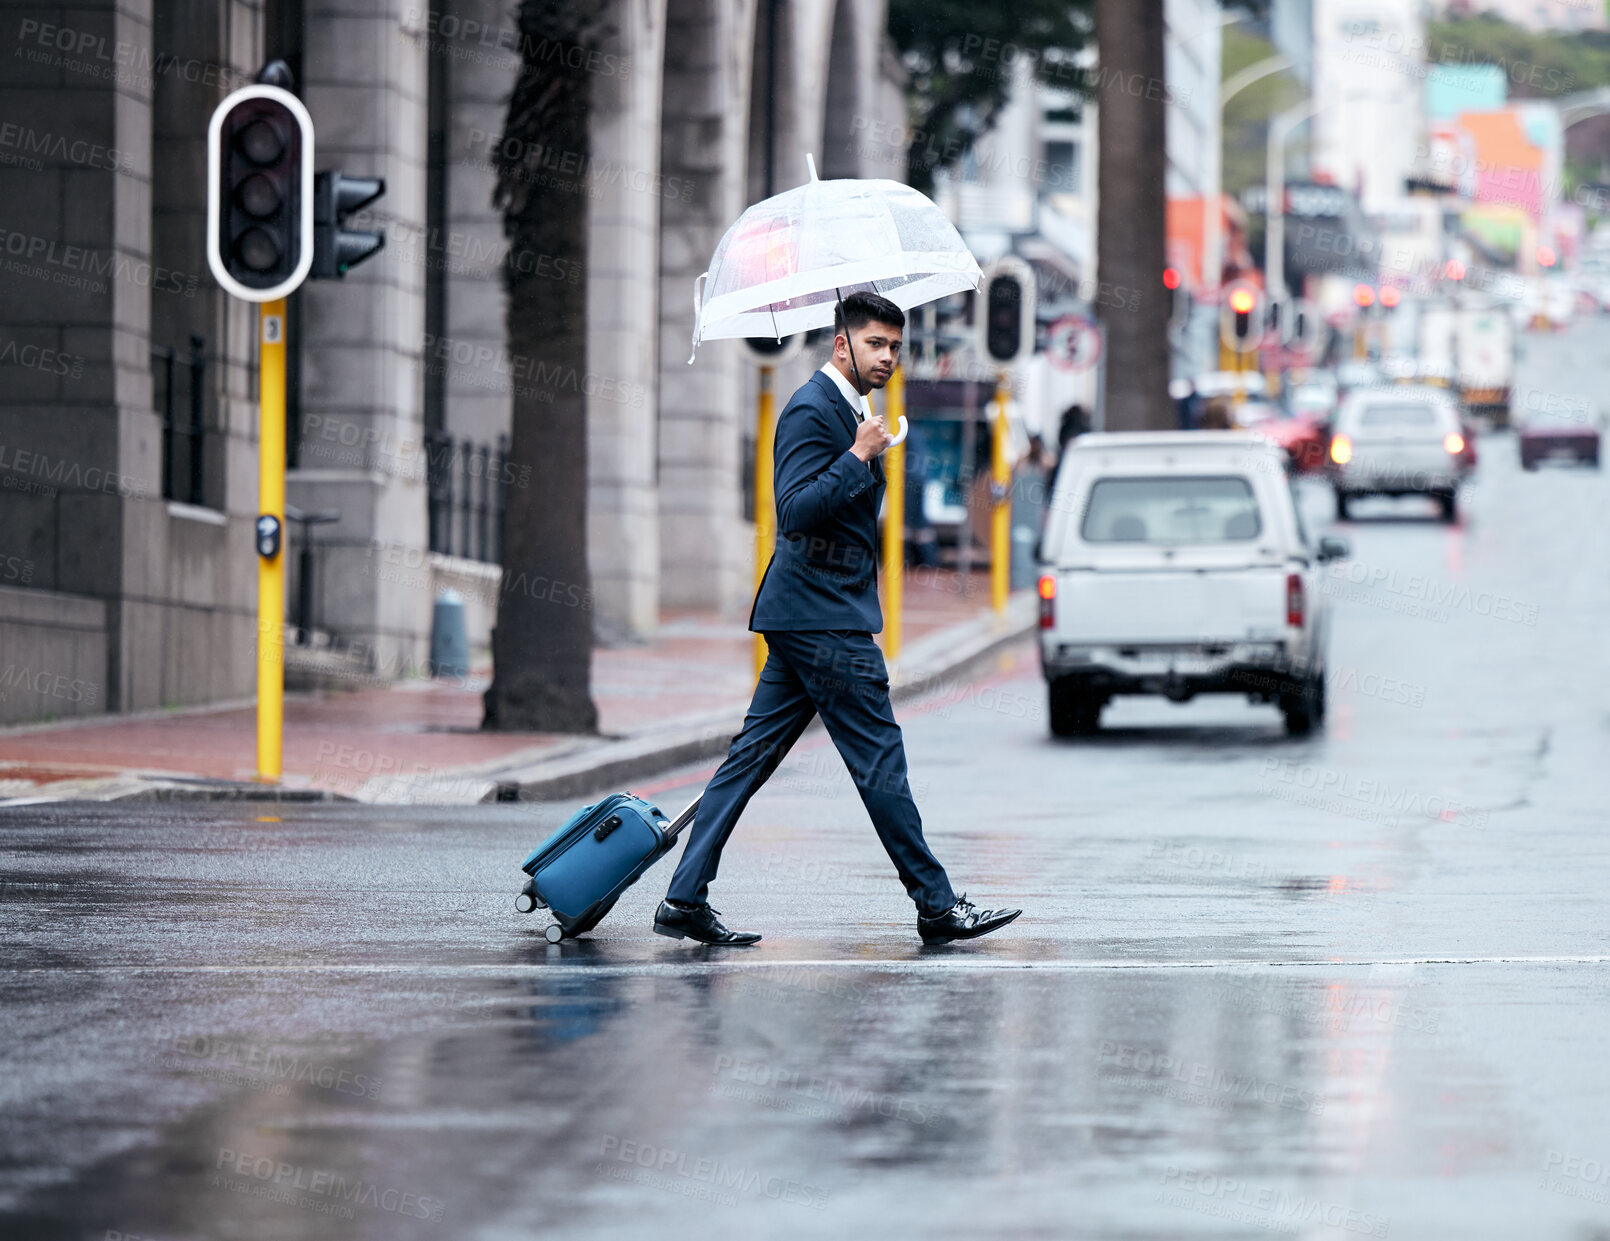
(528, 898)
(554, 933)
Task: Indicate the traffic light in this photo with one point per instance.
(1390, 297)
(1179, 297)
(769, 351)
(336, 248)
(260, 193)
(1240, 316)
(1363, 296)
(1008, 318)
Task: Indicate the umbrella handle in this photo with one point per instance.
(900, 439)
(698, 309)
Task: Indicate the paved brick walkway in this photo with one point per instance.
(340, 739)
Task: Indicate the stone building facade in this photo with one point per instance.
(127, 573)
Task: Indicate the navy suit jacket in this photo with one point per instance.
(824, 571)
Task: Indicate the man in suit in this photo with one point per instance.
(818, 609)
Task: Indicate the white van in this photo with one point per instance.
(1177, 564)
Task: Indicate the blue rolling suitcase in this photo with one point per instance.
(579, 872)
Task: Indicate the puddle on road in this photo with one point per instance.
(775, 1095)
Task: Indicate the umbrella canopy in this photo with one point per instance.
(783, 266)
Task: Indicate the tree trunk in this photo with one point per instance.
(1130, 221)
(543, 644)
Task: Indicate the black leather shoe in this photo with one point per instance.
(963, 921)
(698, 922)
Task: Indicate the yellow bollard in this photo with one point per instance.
(894, 518)
(1000, 540)
(271, 569)
(765, 505)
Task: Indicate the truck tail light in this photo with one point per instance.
(1341, 449)
(1294, 600)
(1048, 602)
(1454, 443)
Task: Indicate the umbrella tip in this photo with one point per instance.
(810, 163)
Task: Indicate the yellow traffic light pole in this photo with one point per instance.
(1000, 539)
(894, 518)
(765, 511)
(271, 569)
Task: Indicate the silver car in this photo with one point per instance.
(1399, 441)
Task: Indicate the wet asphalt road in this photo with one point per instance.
(1351, 985)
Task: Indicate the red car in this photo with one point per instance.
(1559, 435)
(1304, 440)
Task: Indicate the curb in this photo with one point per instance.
(587, 766)
(946, 655)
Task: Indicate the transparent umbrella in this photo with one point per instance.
(788, 261)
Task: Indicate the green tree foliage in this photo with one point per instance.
(961, 56)
(1246, 116)
(1539, 65)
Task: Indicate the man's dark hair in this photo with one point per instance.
(860, 309)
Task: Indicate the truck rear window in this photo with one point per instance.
(1200, 509)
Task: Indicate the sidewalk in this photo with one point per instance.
(675, 700)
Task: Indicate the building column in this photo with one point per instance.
(705, 545)
(622, 364)
(362, 380)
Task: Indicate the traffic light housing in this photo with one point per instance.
(260, 193)
(1241, 317)
(1008, 319)
(769, 351)
(337, 248)
(1179, 297)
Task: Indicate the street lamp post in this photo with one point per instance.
(1274, 207)
(1212, 249)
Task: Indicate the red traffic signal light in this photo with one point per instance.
(1243, 300)
(260, 193)
(1546, 257)
(1390, 297)
(1453, 269)
(1363, 296)
(1171, 278)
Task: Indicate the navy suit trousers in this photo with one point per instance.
(840, 675)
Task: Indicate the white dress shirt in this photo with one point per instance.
(858, 403)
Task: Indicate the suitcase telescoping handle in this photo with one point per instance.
(683, 819)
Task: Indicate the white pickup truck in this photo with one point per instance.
(1177, 564)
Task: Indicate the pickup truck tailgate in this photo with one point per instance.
(1166, 607)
